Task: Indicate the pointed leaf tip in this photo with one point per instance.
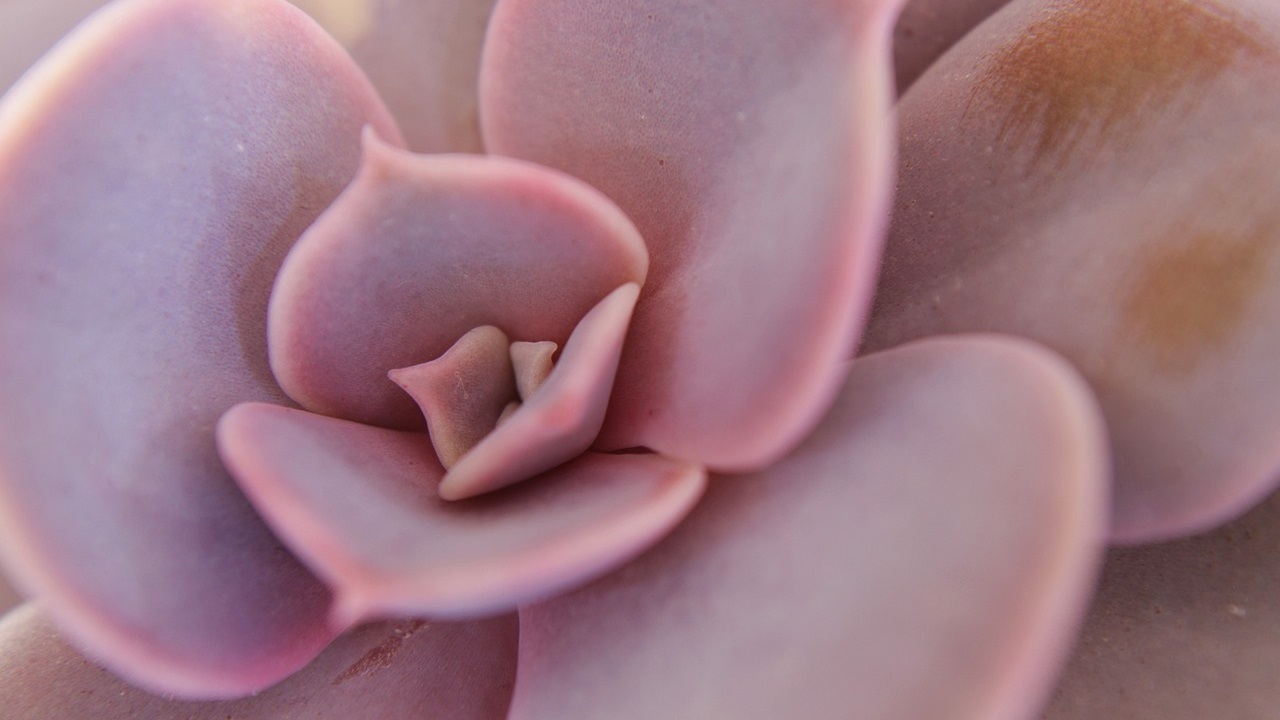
(422, 249)
(360, 505)
(463, 393)
(562, 419)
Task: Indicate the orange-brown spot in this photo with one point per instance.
(1192, 297)
(381, 657)
(1089, 72)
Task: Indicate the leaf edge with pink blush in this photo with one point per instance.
(432, 247)
(657, 638)
(674, 394)
(111, 67)
(359, 504)
(1120, 213)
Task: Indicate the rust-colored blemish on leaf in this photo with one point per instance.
(1192, 296)
(381, 657)
(1087, 73)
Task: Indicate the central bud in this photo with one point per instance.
(424, 258)
(474, 387)
(500, 412)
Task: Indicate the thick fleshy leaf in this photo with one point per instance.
(532, 363)
(1184, 631)
(927, 28)
(153, 172)
(464, 392)
(1100, 176)
(423, 56)
(412, 669)
(360, 505)
(562, 419)
(751, 144)
(498, 413)
(422, 249)
(926, 553)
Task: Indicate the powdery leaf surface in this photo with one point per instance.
(411, 669)
(361, 506)
(31, 28)
(561, 420)
(153, 173)
(420, 250)
(751, 143)
(927, 553)
(1100, 177)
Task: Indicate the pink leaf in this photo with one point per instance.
(926, 553)
(559, 421)
(422, 249)
(360, 505)
(463, 393)
(751, 144)
(1100, 177)
(153, 173)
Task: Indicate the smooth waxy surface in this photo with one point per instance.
(421, 250)
(559, 421)
(143, 216)
(751, 145)
(1098, 177)
(903, 540)
(464, 392)
(361, 506)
